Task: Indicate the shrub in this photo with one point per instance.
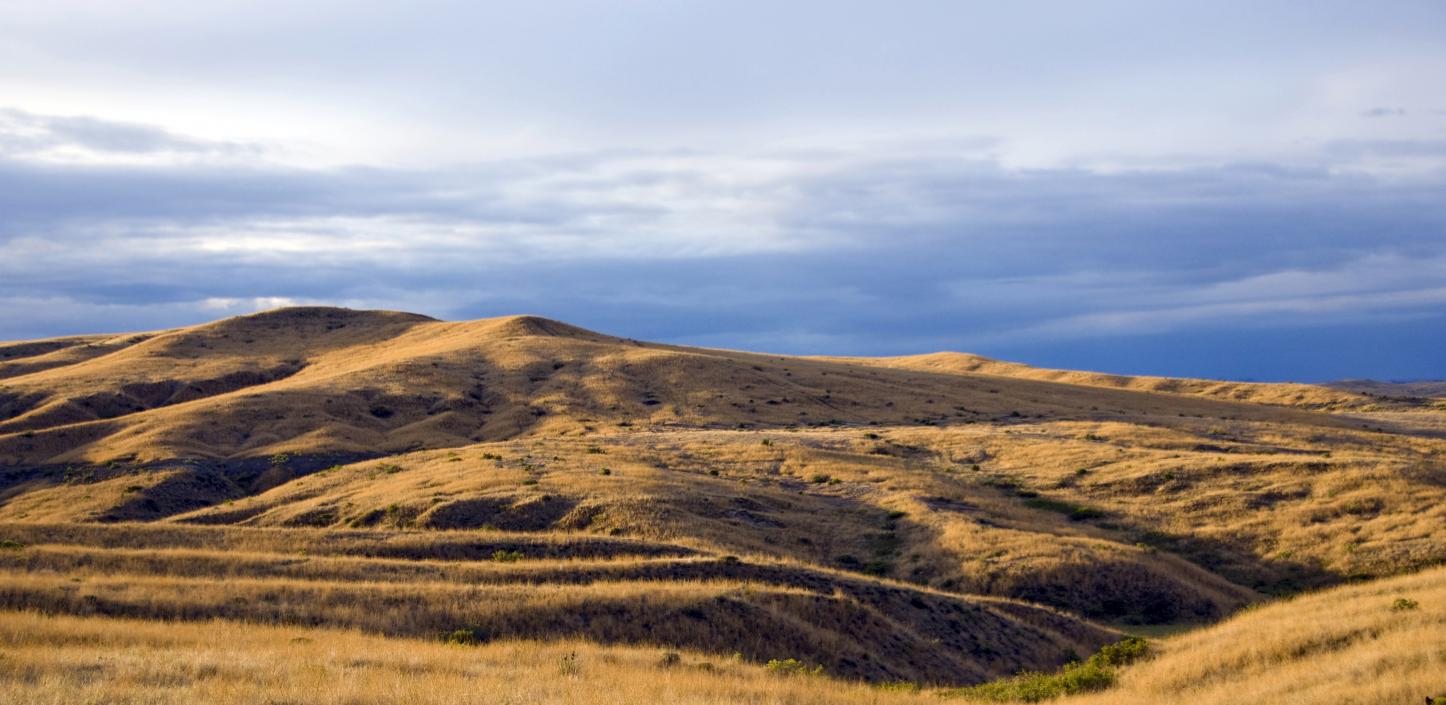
(461, 637)
(280, 459)
(792, 667)
(595, 450)
(670, 659)
(767, 442)
(503, 555)
(605, 471)
(820, 478)
(389, 469)
(10, 545)
(1404, 603)
(1096, 673)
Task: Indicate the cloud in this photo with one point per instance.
(888, 249)
(1383, 112)
(25, 135)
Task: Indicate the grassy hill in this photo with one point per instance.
(940, 519)
(1357, 645)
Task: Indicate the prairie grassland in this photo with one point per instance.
(760, 608)
(1374, 643)
(67, 660)
(1117, 521)
(940, 519)
(315, 381)
(1367, 644)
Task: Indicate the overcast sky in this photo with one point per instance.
(1248, 190)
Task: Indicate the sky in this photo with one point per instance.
(1241, 190)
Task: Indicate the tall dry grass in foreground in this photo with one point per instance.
(1377, 643)
(1370, 644)
(53, 660)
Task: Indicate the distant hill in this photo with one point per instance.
(1429, 389)
(322, 380)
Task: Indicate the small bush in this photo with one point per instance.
(767, 442)
(461, 637)
(1403, 604)
(1096, 673)
(389, 469)
(10, 545)
(670, 659)
(503, 555)
(820, 478)
(595, 450)
(280, 459)
(792, 667)
(605, 471)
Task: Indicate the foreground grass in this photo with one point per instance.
(60, 659)
(1369, 644)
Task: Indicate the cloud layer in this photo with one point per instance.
(871, 252)
(1236, 188)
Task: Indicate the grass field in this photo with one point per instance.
(338, 493)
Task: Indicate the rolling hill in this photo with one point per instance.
(941, 519)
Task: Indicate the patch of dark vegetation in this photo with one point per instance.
(1075, 512)
(1096, 673)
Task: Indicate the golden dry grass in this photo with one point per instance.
(316, 380)
(66, 660)
(763, 609)
(1353, 645)
(1346, 646)
(892, 518)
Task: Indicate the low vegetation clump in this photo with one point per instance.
(1098, 672)
(792, 667)
(505, 556)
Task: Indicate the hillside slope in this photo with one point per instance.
(1379, 642)
(513, 475)
(316, 380)
(1356, 645)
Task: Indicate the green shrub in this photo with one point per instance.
(792, 667)
(461, 637)
(503, 555)
(670, 659)
(820, 478)
(595, 450)
(605, 471)
(388, 469)
(10, 545)
(280, 459)
(1404, 603)
(1096, 673)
